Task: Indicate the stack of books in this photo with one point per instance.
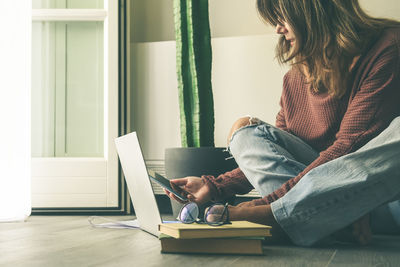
(240, 237)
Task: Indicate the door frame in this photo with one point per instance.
(115, 43)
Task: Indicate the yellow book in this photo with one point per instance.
(233, 245)
(195, 230)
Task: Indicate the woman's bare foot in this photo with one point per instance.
(358, 232)
(362, 230)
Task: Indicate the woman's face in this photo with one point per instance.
(286, 31)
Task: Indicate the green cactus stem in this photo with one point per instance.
(193, 59)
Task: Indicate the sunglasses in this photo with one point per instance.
(214, 215)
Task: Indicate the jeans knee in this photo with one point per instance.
(240, 123)
(244, 140)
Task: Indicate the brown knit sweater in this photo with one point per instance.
(334, 127)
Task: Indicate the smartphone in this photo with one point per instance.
(164, 183)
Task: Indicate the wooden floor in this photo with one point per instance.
(71, 241)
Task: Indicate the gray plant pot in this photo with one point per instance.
(191, 161)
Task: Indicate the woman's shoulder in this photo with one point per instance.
(293, 74)
(386, 48)
(391, 35)
(294, 82)
(390, 38)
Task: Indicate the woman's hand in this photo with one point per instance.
(247, 212)
(192, 187)
(246, 204)
(261, 214)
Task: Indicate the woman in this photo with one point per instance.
(332, 158)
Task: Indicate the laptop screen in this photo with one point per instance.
(138, 182)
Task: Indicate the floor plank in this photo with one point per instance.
(71, 241)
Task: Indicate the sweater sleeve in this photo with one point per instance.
(228, 184)
(373, 106)
(280, 119)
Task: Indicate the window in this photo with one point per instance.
(74, 103)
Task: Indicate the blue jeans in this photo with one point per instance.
(331, 196)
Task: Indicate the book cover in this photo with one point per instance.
(195, 230)
(235, 245)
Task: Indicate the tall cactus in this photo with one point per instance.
(193, 60)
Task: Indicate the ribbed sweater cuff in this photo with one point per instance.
(260, 201)
(213, 186)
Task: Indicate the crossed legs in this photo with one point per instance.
(329, 197)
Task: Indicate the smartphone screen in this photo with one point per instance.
(164, 182)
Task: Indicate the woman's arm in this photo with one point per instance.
(280, 118)
(227, 185)
(280, 121)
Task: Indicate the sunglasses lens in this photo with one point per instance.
(189, 213)
(216, 214)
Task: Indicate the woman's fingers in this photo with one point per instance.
(190, 197)
(245, 204)
(179, 182)
(172, 196)
(190, 187)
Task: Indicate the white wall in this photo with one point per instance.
(246, 78)
(153, 20)
(379, 8)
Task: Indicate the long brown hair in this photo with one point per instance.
(329, 35)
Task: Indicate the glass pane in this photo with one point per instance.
(67, 89)
(98, 4)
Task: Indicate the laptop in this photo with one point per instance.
(138, 182)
